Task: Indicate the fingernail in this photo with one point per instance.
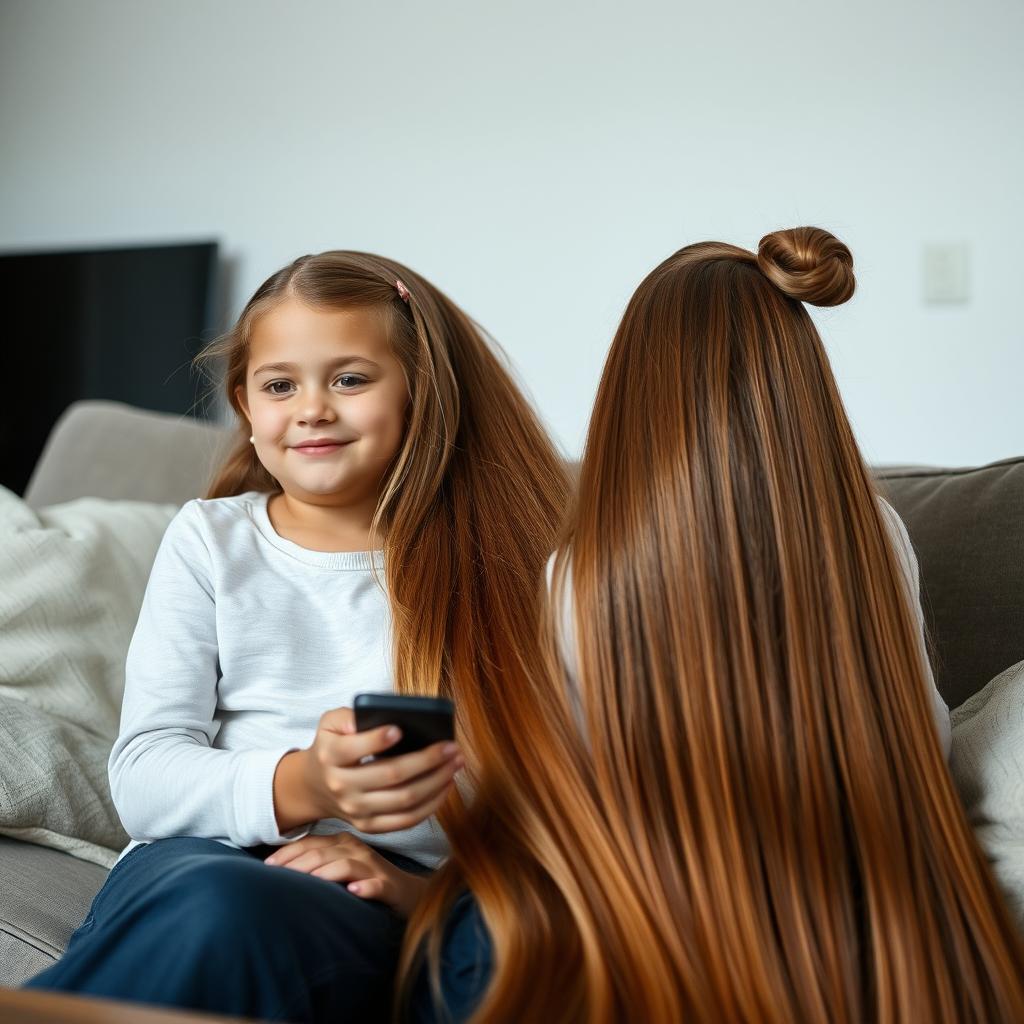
(393, 733)
(450, 748)
(354, 887)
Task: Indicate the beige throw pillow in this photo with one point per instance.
(987, 762)
(72, 578)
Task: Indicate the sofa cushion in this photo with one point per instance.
(72, 577)
(112, 450)
(967, 526)
(988, 768)
(46, 895)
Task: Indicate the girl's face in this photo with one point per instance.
(328, 376)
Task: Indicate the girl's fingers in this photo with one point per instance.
(334, 866)
(346, 751)
(311, 860)
(340, 720)
(406, 819)
(290, 851)
(385, 773)
(344, 869)
(360, 877)
(347, 861)
(368, 888)
(412, 794)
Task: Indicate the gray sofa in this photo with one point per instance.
(966, 525)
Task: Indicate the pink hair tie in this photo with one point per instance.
(402, 291)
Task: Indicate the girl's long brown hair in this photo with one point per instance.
(758, 824)
(471, 506)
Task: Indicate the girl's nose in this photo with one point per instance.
(315, 408)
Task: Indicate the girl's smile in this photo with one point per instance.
(317, 448)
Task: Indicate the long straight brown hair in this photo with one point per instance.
(476, 483)
(757, 823)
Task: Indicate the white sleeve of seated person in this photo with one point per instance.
(912, 579)
(565, 630)
(166, 777)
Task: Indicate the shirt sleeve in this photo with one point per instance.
(912, 581)
(561, 604)
(166, 777)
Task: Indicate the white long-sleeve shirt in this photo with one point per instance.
(908, 563)
(244, 640)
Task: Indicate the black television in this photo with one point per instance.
(118, 323)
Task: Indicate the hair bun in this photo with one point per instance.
(809, 264)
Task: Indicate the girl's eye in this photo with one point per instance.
(280, 388)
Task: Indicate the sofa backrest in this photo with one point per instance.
(115, 451)
(967, 527)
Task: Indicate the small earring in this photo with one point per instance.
(252, 439)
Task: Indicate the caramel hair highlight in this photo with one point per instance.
(755, 822)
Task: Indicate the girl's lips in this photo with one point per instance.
(319, 449)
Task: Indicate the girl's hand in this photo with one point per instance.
(386, 795)
(343, 858)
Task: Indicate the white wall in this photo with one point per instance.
(536, 160)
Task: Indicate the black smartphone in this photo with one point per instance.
(423, 720)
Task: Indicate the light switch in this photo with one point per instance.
(946, 273)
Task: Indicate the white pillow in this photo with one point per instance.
(987, 763)
(72, 578)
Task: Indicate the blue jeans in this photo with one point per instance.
(193, 923)
(466, 963)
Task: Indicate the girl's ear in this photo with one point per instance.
(243, 401)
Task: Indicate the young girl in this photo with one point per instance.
(744, 812)
(379, 525)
